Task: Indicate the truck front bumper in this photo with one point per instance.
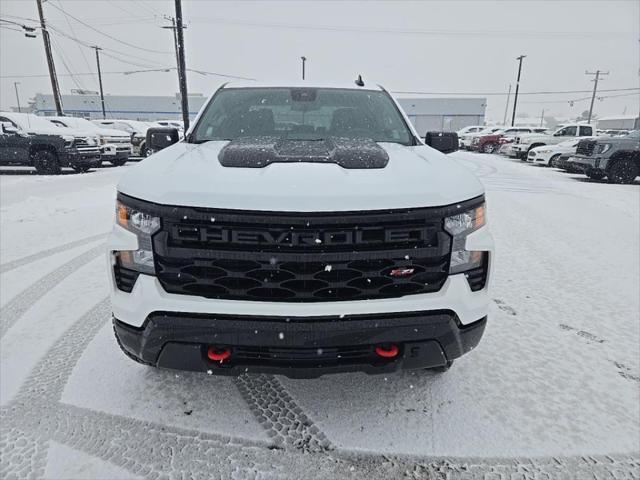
(116, 152)
(299, 347)
(73, 157)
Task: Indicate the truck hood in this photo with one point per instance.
(191, 175)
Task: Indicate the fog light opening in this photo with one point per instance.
(389, 350)
(218, 354)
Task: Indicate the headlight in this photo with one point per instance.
(144, 226)
(68, 140)
(603, 147)
(546, 150)
(459, 226)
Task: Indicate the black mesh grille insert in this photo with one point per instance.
(302, 257)
(586, 147)
(309, 357)
(477, 277)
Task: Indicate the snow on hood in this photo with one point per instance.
(191, 175)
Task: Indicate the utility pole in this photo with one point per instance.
(52, 67)
(175, 39)
(515, 100)
(597, 73)
(542, 117)
(304, 60)
(506, 107)
(182, 69)
(15, 85)
(97, 49)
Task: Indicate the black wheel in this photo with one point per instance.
(623, 171)
(442, 368)
(553, 160)
(81, 168)
(594, 175)
(489, 147)
(144, 151)
(46, 162)
(131, 356)
(118, 162)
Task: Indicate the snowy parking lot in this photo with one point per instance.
(552, 390)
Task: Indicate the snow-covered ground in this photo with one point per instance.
(552, 391)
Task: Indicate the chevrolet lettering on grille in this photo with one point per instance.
(271, 237)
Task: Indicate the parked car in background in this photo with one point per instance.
(490, 143)
(136, 129)
(468, 130)
(467, 140)
(173, 124)
(47, 153)
(115, 145)
(549, 154)
(617, 158)
(80, 150)
(526, 142)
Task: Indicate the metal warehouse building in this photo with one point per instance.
(130, 107)
(444, 114)
(426, 114)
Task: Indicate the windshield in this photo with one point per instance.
(302, 114)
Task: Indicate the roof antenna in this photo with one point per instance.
(359, 81)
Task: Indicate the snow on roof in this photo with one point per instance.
(620, 117)
(304, 84)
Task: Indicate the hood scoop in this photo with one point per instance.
(258, 152)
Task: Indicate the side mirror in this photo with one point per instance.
(161, 137)
(7, 127)
(446, 142)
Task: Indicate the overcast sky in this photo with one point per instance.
(453, 46)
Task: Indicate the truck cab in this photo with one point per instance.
(524, 143)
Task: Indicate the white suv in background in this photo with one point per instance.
(136, 129)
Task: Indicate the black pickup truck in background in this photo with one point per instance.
(47, 153)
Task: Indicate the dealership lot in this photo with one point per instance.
(552, 388)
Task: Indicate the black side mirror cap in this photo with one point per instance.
(446, 142)
(161, 137)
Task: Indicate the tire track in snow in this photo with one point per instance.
(280, 415)
(16, 307)
(8, 266)
(153, 450)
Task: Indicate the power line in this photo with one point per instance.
(66, 17)
(559, 92)
(106, 34)
(409, 31)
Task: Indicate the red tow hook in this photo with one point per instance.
(218, 354)
(387, 350)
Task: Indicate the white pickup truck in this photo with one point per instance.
(524, 143)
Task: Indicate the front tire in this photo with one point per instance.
(81, 168)
(623, 171)
(594, 175)
(442, 368)
(46, 162)
(118, 162)
(553, 160)
(489, 148)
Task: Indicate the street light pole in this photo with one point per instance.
(506, 106)
(15, 85)
(304, 59)
(515, 99)
(97, 49)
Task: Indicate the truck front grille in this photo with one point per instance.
(302, 257)
(586, 147)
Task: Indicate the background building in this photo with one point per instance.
(130, 107)
(444, 114)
